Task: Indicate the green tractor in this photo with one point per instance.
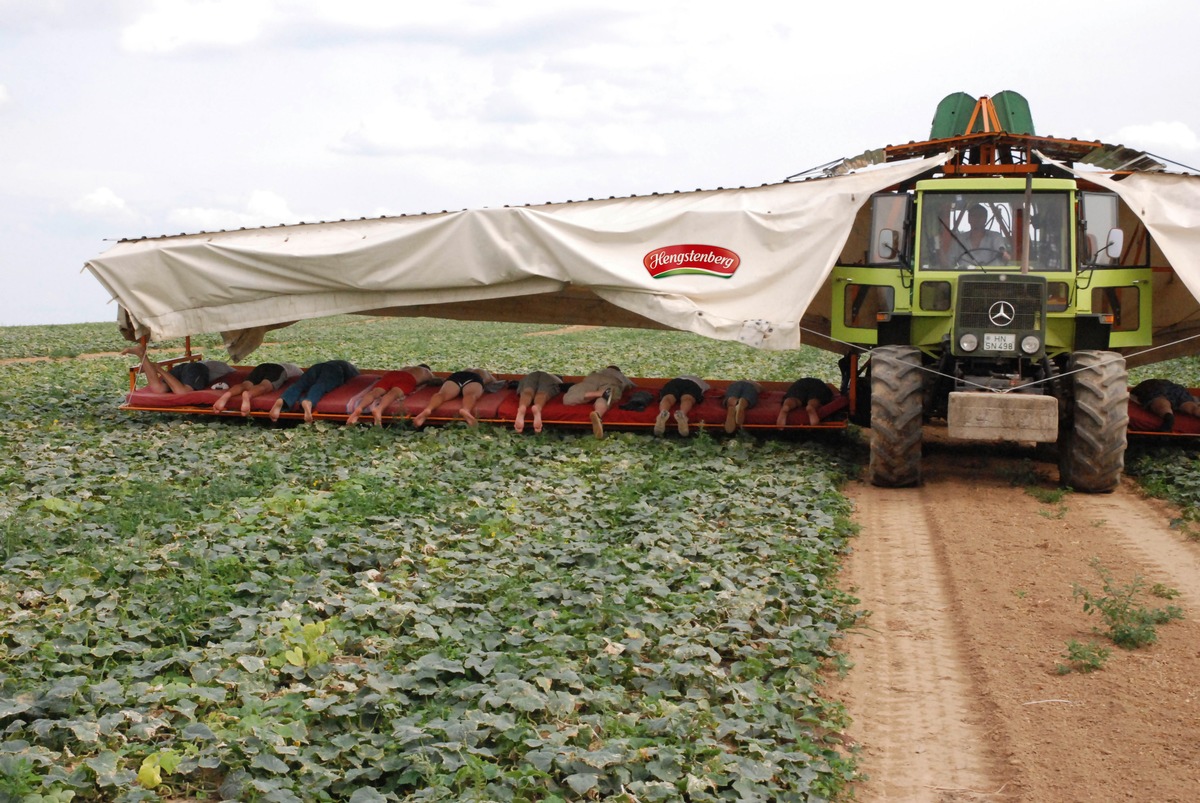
(993, 296)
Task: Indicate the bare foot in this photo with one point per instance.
(219, 404)
(469, 417)
(781, 422)
(681, 422)
(420, 419)
(276, 409)
(353, 417)
(731, 418)
(306, 405)
(138, 351)
(519, 421)
(245, 403)
(813, 418)
(377, 414)
(741, 413)
(597, 425)
(537, 419)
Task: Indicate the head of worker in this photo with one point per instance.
(977, 216)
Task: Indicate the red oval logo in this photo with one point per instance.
(673, 260)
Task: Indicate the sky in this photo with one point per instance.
(129, 118)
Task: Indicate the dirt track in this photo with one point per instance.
(955, 692)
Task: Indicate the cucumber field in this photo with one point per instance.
(218, 609)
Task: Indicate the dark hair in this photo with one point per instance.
(423, 365)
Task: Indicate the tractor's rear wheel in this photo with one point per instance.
(1091, 442)
(897, 387)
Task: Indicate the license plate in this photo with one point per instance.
(999, 342)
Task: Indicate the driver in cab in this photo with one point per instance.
(979, 245)
(973, 248)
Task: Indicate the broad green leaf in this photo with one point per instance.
(366, 794)
(268, 762)
(582, 782)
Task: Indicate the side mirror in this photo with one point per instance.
(889, 244)
(1115, 244)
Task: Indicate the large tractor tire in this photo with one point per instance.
(1091, 443)
(897, 388)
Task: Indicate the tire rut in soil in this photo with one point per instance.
(957, 694)
(916, 711)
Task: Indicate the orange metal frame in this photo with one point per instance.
(992, 151)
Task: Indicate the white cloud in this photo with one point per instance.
(1161, 137)
(104, 204)
(495, 22)
(4, 96)
(176, 24)
(263, 208)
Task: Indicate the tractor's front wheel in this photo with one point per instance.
(1091, 442)
(897, 387)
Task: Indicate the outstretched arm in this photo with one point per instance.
(157, 379)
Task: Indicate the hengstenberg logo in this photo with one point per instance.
(707, 260)
(1001, 313)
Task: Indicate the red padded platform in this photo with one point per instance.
(499, 406)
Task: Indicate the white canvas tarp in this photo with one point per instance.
(1168, 205)
(735, 264)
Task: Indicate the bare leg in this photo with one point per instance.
(447, 392)
(599, 408)
(223, 399)
(740, 418)
(681, 415)
(539, 401)
(247, 390)
(262, 387)
(393, 395)
(368, 397)
(523, 402)
(664, 412)
(813, 406)
(788, 405)
(471, 394)
(813, 409)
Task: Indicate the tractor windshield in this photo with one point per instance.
(974, 230)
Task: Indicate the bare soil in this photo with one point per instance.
(955, 691)
(566, 330)
(93, 356)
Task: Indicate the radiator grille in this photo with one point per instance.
(976, 299)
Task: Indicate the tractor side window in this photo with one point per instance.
(888, 215)
(1101, 238)
(1123, 303)
(1058, 296)
(935, 296)
(864, 303)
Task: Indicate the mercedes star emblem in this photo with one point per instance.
(1001, 313)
